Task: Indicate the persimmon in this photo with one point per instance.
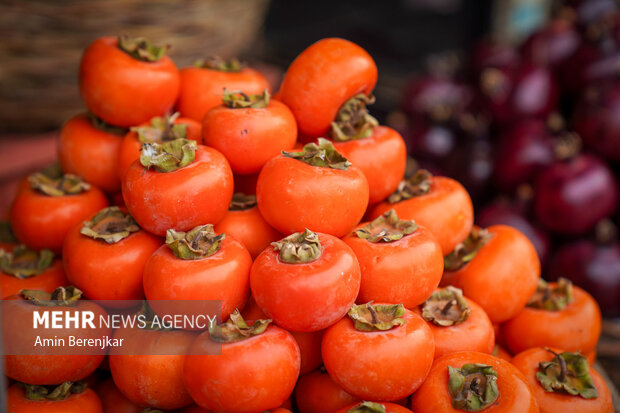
(204, 84)
(43, 213)
(374, 407)
(496, 267)
(309, 349)
(438, 203)
(501, 353)
(113, 401)
(400, 261)
(246, 183)
(105, 256)
(381, 352)
(139, 82)
(65, 398)
(251, 311)
(249, 130)
(306, 281)
(558, 315)
(473, 381)
(457, 323)
(318, 176)
(563, 382)
(322, 78)
(190, 185)
(89, 147)
(316, 392)
(245, 222)
(8, 241)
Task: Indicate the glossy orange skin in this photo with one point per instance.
(389, 408)
(310, 350)
(551, 402)
(316, 392)
(251, 375)
(502, 276)
(87, 401)
(379, 365)
(249, 227)
(48, 280)
(130, 146)
(514, 392)
(293, 196)
(221, 276)
(382, 157)
(474, 334)
(252, 312)
(42, 221)
(154, 376)
(202, 89)
(196, 194)
(89, 152)
(323, 77)
(502, 353)
(249, 137)
(405, 271)
(446, 211)
(577, 327)
(129, 91)
(108, 271)
(310, 296)
(113, 401)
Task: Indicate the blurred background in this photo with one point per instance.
(517, 99)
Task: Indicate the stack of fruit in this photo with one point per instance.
(320, 312)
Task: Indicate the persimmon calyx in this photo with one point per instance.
(242, 202)
(162, 129)
(220, 64)
(473, 387)
(299, 248)
(353, 120)
(417, 184)
(200, 242)
(104, 126)
(323, 155)
(446, 307)
(149, 316)
(377, 317)
(25, 263)
(65, 184)
(54, 393)
(60, 297)
(552, 299)
(467, 250)
(236, 329)
(6, 233)
(168, 156)
(236, 99)
(141, 48)
(110, 225)
(367, 407)
(567, 373)
(386, 228)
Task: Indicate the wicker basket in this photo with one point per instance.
(42, 42)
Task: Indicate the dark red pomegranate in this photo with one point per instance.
(431, 141)
(592, 11)
(553, 44)
(436, 97)
(572, 195)
(488, 53)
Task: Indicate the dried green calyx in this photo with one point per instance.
(236, 329)
(220, 64)
(567, 373)
(168, 156)
(242, 202)
(200, 242)
(24, 262)
(110, 225)
(323, 155)
(416, 185)
(473, 387)
(386, 228)
(353, 120)
(141, 48)
(104, 126)
(446, 307)
(238, 100)
(467, 250)
(6, 233)
(552, 299)
(54, 393)
(162, 129)
(299, 248)
(367, 407)
(377, 317)
(62, 297)
(65, 184)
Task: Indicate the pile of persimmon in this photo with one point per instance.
(345, 285)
